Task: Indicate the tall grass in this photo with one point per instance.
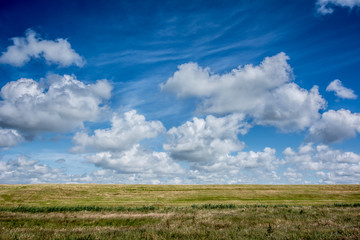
(200, 222)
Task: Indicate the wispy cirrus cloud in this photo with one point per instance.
(327, 6)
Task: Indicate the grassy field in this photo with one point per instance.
(179, 211)
(174, 195)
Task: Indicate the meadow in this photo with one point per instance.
(92, 211)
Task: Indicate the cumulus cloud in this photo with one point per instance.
(25, 171)
(291, 108)
(60, 103)
(340, 91)
(32, 46)
(206, 139)
(9, 138)
(136, 160)
(331, 166)
(326, 6)
(265, 92)
(240, 167)
(126, 131)
(292, 175)
(118, 147)
(264, 160)
(210, 146)
(335, 126)
(214, 153)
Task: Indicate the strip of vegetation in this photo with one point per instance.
(34, 209)
(347, 205)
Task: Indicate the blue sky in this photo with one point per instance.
(180, 92)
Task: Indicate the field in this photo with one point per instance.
(91, 211)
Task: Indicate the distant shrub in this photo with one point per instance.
(347, 204)
(214, 206)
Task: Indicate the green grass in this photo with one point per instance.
(179, 212)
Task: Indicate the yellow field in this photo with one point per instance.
(174, 195)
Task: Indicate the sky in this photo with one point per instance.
(180, 92)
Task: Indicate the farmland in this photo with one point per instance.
(89, 211)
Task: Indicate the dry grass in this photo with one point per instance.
(310, 222)
(174, 195)
(179, 212)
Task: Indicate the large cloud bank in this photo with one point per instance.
(265, 92)
(207, 149)
(328, 165)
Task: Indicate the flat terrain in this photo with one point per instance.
(179, 211)
(174, 195)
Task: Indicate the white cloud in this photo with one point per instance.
(326, 6)
(22, 170)
(210, 147)
(137, 160)
(263, 160)
(61, 103)
(329, 165)
(242, 167)
(126, 131)
(32, 46)
(9, 138)
(265, 92)
(214, 153)
(340, 91)
(207, 139)
(292, 175)
(290, 108)
(193, 81)
(118, 148)
(233, 165)
(25, 171)
(112, 176)
(335, 126)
